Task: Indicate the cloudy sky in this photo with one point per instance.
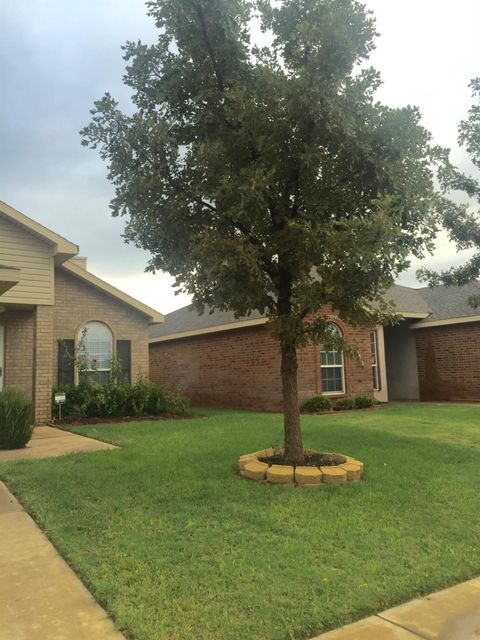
(58, 56)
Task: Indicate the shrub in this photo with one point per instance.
(363, 402)
(177, 403)
(317, 404)
(92, 400)
(344, 404)
(16, 419)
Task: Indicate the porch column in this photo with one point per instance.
(43, 362)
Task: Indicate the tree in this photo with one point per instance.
(267, 177)
(462, 221)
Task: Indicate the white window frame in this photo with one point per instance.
(374, 358)
(333, 366)
(79, 337)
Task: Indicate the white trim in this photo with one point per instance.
(219, 327)
(382, 395)
(71, 267)
(441, 323)
(374, 356)
(408, 314)
(62, 246)
(333, 366)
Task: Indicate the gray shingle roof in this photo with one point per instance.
(187, 319)
(445, 303)
(441, 303)
(406, 299)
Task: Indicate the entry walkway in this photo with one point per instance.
(452, 614)
(41, 597)
(47, 442)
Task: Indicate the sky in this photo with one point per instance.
(58, 56)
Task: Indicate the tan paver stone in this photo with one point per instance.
(255, 470)
(372, 628)
(280, 474)
(242, 461)
(353, 469)
(333, 475)
(309, 476)
(48, 442)
(41, 597)
(436, 616)
(350, 459)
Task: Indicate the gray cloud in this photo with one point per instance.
(58, 56)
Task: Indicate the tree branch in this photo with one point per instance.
(208, 45)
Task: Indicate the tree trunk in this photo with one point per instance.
(291, 415)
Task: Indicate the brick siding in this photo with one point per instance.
(240, 368)
(42, 349)
(19, 332)
(31, 337)
(449, 362)
(78, 302)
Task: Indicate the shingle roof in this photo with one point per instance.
(406, 299)
(440, 303)
(186, 319)
(445, 303)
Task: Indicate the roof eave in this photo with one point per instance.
(445, 322)
(242, 324)
(63, 249)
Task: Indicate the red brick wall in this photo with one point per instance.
(241, 368)
(449, 362)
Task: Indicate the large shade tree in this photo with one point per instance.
(462, 220)
(267, 178)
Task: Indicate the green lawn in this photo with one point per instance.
(176, 546)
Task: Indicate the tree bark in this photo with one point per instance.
(291, 414)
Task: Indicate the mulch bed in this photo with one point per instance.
(112, 420)
(312, 459)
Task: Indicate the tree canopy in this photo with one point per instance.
(267, 177)
(462, 221)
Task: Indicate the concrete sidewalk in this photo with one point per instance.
(41, 598)
(47, 442)
(452, 614)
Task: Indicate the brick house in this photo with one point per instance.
(433, 353)
(48, 300)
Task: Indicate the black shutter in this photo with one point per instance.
(124, 357)
(66, 355)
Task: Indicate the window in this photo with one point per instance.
(333, 373)
(374, 352)
(95, 351)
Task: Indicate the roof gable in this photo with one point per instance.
(62, 249)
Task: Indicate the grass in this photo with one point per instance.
(176, 546)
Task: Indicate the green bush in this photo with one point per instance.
(344, 404)
(363, 402)
(317, 404)
(16, 419)
(92, 400)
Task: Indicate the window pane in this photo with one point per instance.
(332, 365)
(332, 379)
(96, 346)
(376, 385)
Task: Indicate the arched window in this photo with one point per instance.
(95, 351)
(332, 366)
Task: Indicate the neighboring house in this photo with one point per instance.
(48, 300)
(433, 353)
